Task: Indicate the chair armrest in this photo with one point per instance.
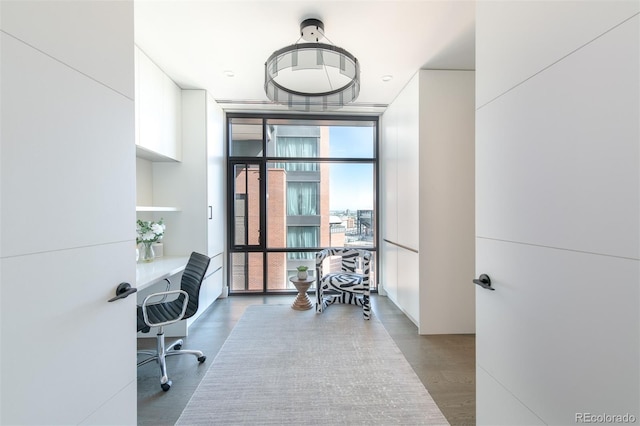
(164, 294)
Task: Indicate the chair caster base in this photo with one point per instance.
(202, 359)
(166, 386)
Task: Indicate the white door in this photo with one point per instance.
(557, 206)
(67, 356)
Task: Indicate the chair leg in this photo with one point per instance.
(172, 346)
(165, 383)
(320, 305)
(366, 306)
(162, 352)
(198, 354)
(152, 356)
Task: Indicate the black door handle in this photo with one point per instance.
(123, 290)
(484, 281)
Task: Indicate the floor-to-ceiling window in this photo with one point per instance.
(297, 186)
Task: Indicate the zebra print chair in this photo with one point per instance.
(345, 286)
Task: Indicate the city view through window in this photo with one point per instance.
(297, 186)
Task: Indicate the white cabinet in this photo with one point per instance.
(180, 172)
(196, 185)
(211, 286)
(158, 109)
(428, 201)
(215, 178)
(158, 112)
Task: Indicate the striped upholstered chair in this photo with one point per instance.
(345, 285)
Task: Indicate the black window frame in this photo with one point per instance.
(264, 160)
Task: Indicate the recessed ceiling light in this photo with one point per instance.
(387, 77)
(229, 73)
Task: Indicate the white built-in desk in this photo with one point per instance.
(149, 273)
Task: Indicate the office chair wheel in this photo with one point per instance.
(177, 347)
(166, 386)
(202, 359)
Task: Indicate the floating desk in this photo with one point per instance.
(149, 273)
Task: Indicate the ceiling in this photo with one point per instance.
(198, 42)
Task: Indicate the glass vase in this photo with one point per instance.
(146, 252)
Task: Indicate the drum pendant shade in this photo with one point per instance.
(312, 76)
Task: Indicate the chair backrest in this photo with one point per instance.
(192, 281)
(349, 260)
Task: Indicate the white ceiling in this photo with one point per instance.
(196, 42)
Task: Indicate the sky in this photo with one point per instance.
(351, 185)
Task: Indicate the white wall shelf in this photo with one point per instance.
(156, 209)
(150, 155)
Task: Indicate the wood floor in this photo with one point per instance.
(444, 363)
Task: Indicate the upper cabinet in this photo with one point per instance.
(158, 112)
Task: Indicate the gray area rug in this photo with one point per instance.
(285, 367)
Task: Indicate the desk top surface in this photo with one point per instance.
(149, 273)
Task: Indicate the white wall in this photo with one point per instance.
(427, 177)
(558, 210)
(144, 182)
